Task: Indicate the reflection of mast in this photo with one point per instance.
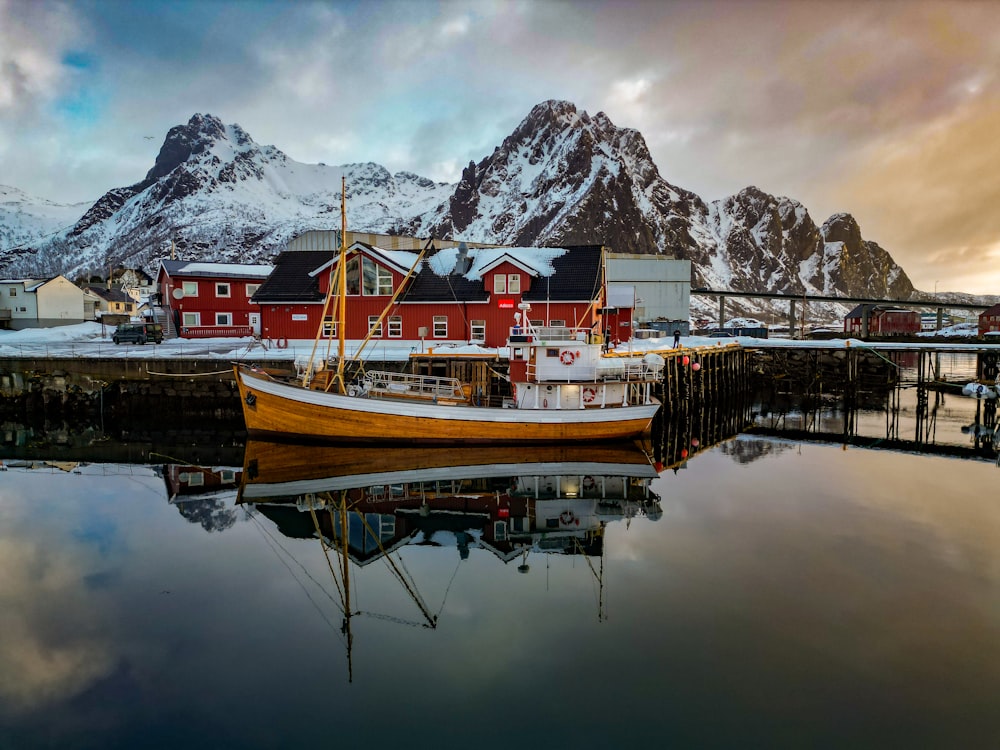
(598, 575)
(341, 573)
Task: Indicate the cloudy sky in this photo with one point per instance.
(887, 110)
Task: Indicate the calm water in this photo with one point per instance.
(768, 593)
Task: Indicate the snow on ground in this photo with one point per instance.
(90, 340)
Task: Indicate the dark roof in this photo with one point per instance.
(577, 275)
(995, 310)
(110, 295)
(290, 280)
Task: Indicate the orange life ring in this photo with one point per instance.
(282, 343)
(566, 518)
(567, 357)
(589, 394)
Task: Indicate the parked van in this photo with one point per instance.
(138, 333)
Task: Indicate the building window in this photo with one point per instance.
(500, 284)
(395, 326)
(191, 319)
(478, 329)
(440, 326)
(374, 325)
(223, 319)
(252, 289)
(353, 276)
(514, 283)
(222, 289)
(227, 476)
(557, 323)
(190, 288)
(376, 280)
(13, 292)
(537, 323)
(329, 327)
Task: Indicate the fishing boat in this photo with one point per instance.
(564, 387)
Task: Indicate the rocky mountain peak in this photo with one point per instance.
(842, 228)
(184, 141)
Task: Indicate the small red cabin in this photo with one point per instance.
(882, 321)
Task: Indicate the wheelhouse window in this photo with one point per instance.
(440, 326)
(329, 326)
(191, 319)
(513, 283)
(376, 280)
(374, 325)
(222, 289)
(478, 330)
(395, 326)
(223, 319)
(252, 289)
(13, 292)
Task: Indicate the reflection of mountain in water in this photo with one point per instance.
(202, 494)
(747, 451)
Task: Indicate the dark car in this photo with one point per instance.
(138, 333)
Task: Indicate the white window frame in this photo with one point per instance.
(252, 289)
(329, 326)
(223, 285)
(500, 284)
(513, 283)
(190, 319)
(477, 330)
(440, 326)
(395, 326)
(375, 326)
(557, 323)
(223, 319)
(190, 288)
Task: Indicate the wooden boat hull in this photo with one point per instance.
(274, 408)
(289, 469)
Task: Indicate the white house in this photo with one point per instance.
(40, 303)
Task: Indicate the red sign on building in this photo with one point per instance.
(505, 303)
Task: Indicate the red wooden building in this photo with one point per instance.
(211, 299)
(989, 320)
(882, 321)
(455, 296)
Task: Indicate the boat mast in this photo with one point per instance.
(338, 378)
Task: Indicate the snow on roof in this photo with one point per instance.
(536, 259)
(400, 258)
(232, 269)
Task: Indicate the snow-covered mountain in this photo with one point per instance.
(562, 177)
(29, 220)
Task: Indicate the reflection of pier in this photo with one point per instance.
(920, 397)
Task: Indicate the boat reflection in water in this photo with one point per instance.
(365, 505)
